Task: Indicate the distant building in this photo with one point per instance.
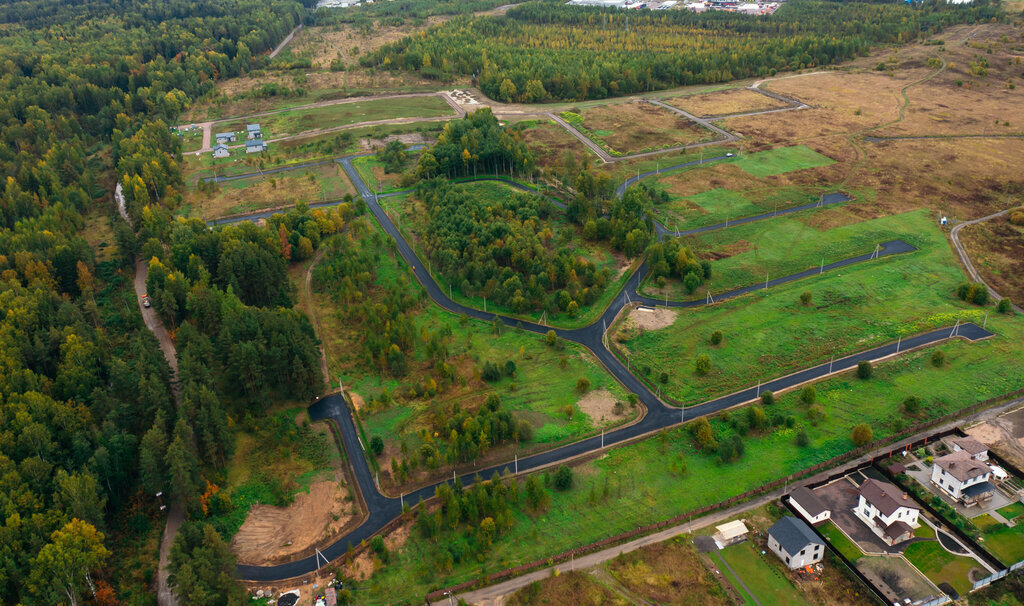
(887, 511)
(252, 131)
(730, 533)
(255, 146)
(809, 505)
(221, 151)
(225, 137)
(963, 477)
(795, 543)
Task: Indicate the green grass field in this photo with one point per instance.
(292, 122)
(788, 245)
(852, 310)
(768, 585)
(1004, 542)
(369, 167)
(1012, 510)
(940, 566)
(840, 542)
(781, 160)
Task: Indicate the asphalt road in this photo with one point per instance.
(383, 509)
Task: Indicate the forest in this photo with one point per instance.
(90, 428)
(543, 51)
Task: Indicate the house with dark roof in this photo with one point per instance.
(795, 543)
(254, 146)
(808, 505)
(221, 151)
(252, 131)
(889, 512)
(977, 450)
(963, 477)
(225, 137)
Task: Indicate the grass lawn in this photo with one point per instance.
(1005, 543)
(372, 172)
(768, 585)
(1012, 510)
(781, 160)
(985, 522)
(852, 309)
(941, 566)
(744, 254)
(839, 540)
(292, 122)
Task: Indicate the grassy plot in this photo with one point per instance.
(577, 588)
(756, 577)
(841, 542)
(292, 122)
(771, 330)
(550, 143)
(1012, 510)
(1004, 542)
(627, 128)
(376, 178)
(940, 566)
(721, 103)
(745, 254)
(781, 160)
(669, 572)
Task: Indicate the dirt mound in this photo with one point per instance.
(599, 405)
(648, 319)
(271, 533)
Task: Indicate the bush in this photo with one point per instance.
(938, 358)
(563, 478)
(912, 404)
(1017, 218)
(702, 365)
(663, 379)
(551, 338)
(862, 434)
(808, 394)
(491, 372)
(973, 292)
(802, 439)
(805, 298)
(767, 397)
(1004, 306)
(582, 384)
(864, 369)
(716, 337)
(730, 449)
(376, 445)
(524, 431)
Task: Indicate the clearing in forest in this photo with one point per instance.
(722, 103)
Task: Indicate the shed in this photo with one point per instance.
(730, 533)
(808, 505)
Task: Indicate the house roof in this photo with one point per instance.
(733, 529)
(254, 143)
(219, 146)
(978, 489)
(885, 497)
(252, 127)
(793, 534)
(225, 135)
(895, 530)
(961, 465)
(808, 501)
(970, 445)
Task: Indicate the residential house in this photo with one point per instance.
(809, 505)
(795, 543)
(963, 477)
(221, 151)
(977, 450)
(730, 533)
(225, 137)
(253, 131)
(888, 512)
(254, 146)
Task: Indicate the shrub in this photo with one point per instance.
(663, 379)
(1017, 218)
(524, 431)
(862, 434)
(805, 298)
(938, 358)
(376, 445)
(510, 368)
(490, 373)
(864, 369)
(808, 394)
(551, 338)
(1003, 306)
(730, 449)
(563, 478)
(973, 292)
(569, 411)
(716, 337)
(691, 282)
(767, 397)
(703, 434)
(702, 365)
(912, 404)
(802, 439)
(582, 384)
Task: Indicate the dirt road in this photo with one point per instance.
(285, 42)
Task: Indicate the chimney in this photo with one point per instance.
(905, 497)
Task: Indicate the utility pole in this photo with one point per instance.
(822, 270)
(766, 280)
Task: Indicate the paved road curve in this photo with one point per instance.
(383, 509)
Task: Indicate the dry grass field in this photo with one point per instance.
(632, 127)
(732, 101)
(550, 143)
(346, 43)
(997, 249)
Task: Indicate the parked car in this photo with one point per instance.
(145, 301)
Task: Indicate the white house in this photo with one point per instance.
(730, 533)
(221, 151)
(254, 146)
(963, 477)
(977, 450)
(795, 543)
(888, 512)
(809, 505)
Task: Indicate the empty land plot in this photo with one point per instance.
(902, 579)
(315, 184)
(627, 128)
(758, 576)
(345, 43)
(550, 142)
(996, 248)
(781, 160)
(297, 121)
(733, 101)
(669, 572)
(577, 588)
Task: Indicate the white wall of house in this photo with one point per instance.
(821, 517)
(807, 556)
(945, 480)
(868, 512)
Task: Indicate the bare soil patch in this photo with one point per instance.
(733, 101)
(633, 127)
(599, 405)
(724, 252)
(271, 534)
(660, 317)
